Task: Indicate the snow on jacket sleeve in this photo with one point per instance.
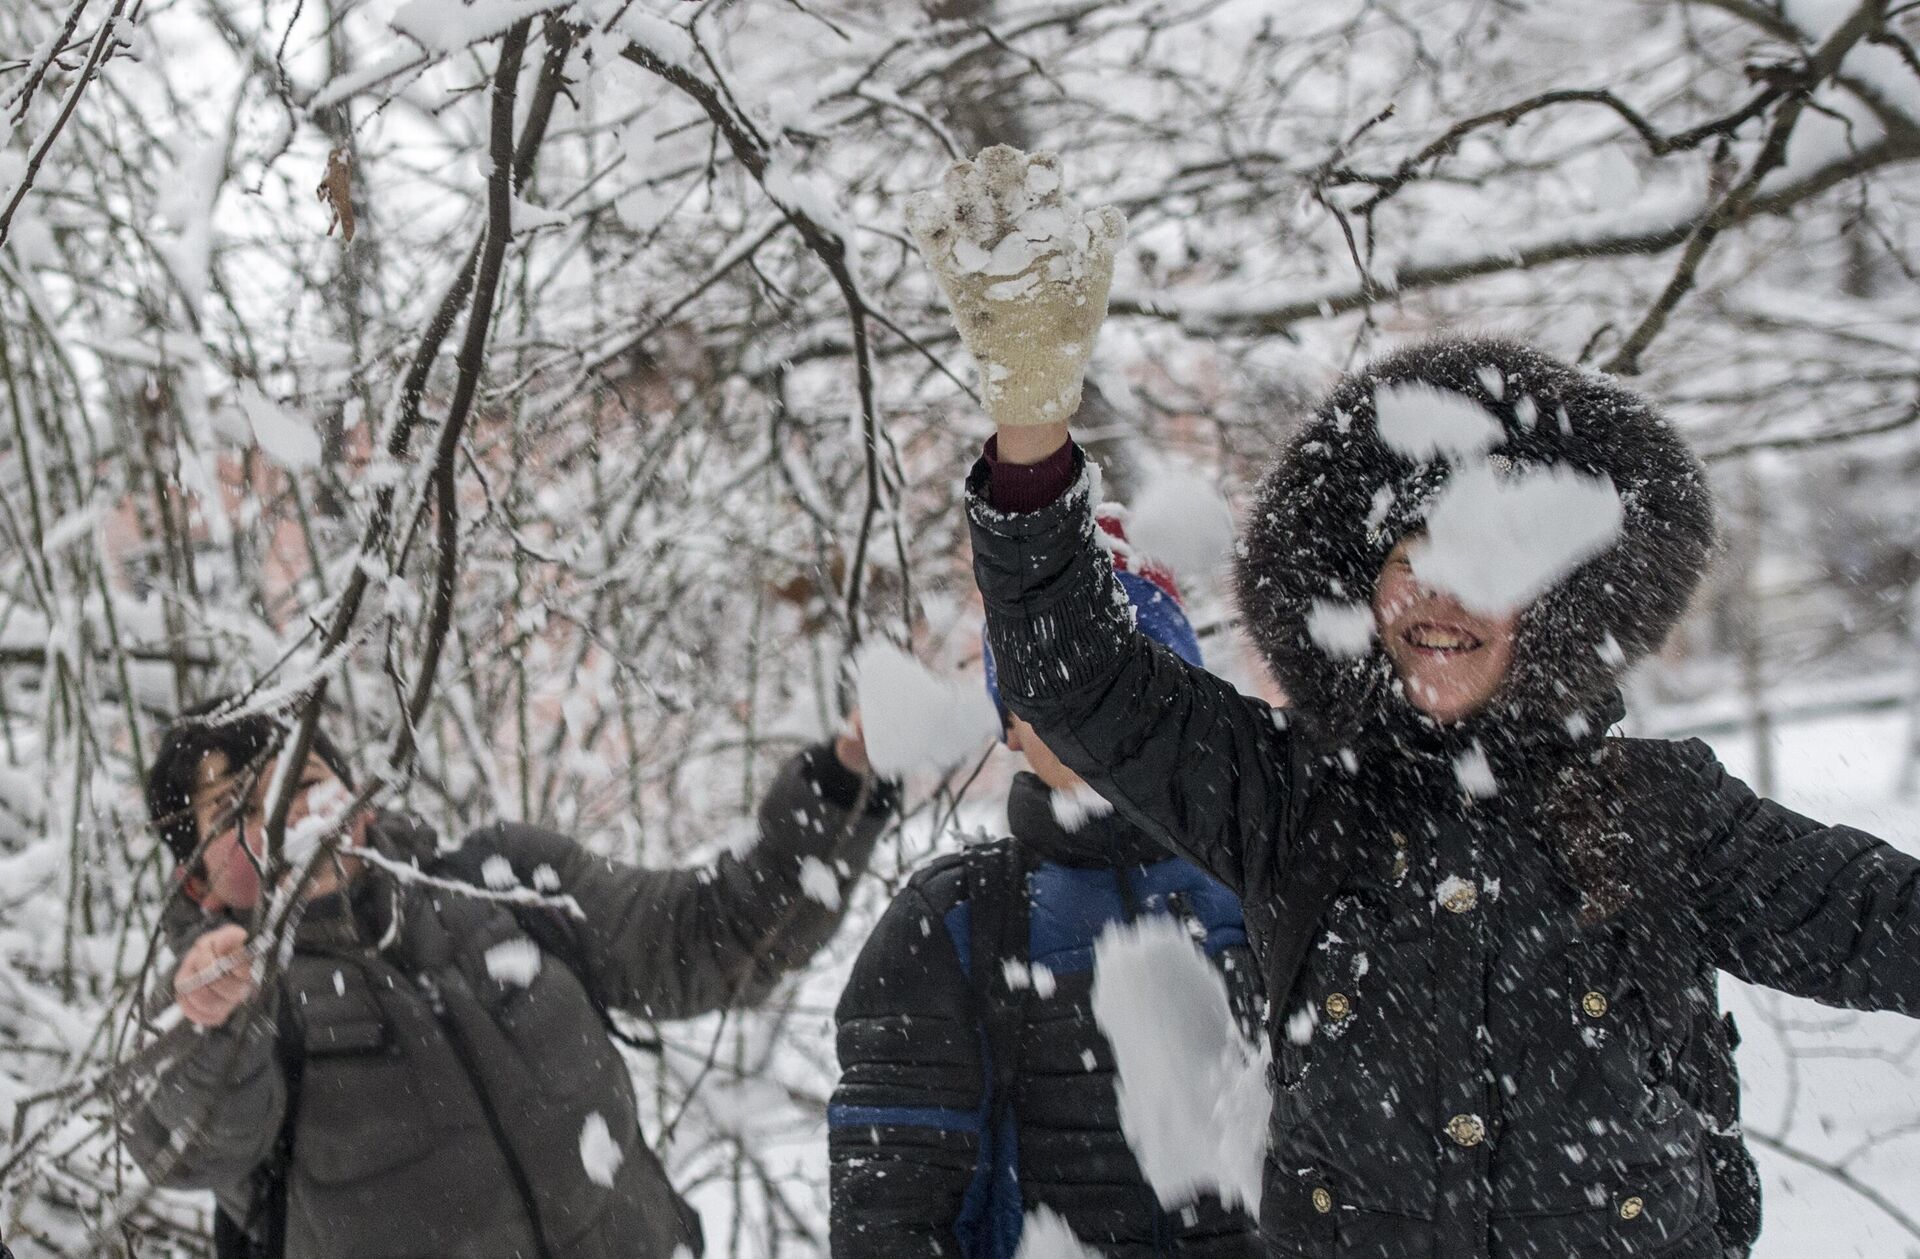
(671, 944)
(1204, 769)
(1826, 912)
(214, 1113)
(905, 1122)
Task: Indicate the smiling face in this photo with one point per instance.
(1450, 660)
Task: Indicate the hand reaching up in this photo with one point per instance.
(1027, 275)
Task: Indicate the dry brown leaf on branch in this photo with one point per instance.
(336, 192)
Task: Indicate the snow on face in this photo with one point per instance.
(1192, 1090)
(1499, 543)
(1494, 539)
(915, 720)
(1449, 659)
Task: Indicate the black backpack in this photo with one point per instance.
(263, 1233)
(1706, 1075)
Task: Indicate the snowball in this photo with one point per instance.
(1475, 774)
(915, 720)
(1342, 630)
(1182, 521)
(1497, 543)
(818, 882)
(1192, 1089)
(1073, 807)
(1044, 1235)
(600, 1154)
(1421, 421)
(287, 438)
(514, 962)
(497, 873)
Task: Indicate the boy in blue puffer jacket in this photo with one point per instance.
(976, 1084)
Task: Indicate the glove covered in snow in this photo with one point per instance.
(1026, 274)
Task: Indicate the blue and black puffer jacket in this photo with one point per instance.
(924, 1161)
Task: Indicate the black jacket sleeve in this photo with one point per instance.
(671, 944)
(1207, 771)
(904, 1127)
(1826, 912)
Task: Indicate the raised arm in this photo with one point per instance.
(1826, 912)
(1203, 768)
(672, 944)
(904, 1128)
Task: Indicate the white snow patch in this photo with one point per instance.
(1182, 521)
(288, 439)
(1044, 1235)
(915, 720)
(818, 882)
(1073, 807)
(1421, 421)
(1342, 630)
(524, 216)
(1192, 1089)
(1497, 543)
(497, 873)
(514, 962)
(600, 1154)
(1474, 773)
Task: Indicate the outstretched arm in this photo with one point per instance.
(1826, 912)
(670, 944)
(1206, 770)
(904, 1128)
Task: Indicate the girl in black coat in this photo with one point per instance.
(1479, 1054)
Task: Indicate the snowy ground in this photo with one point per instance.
(1838, 1086)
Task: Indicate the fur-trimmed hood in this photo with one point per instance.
(1339, 497)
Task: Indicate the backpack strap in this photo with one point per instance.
(997, 891)
(997, 950)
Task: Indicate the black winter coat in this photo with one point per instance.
(1467, 1069)
(912, 1177)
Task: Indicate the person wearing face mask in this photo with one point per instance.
(1490, 932)
(433, 1071)
(976, 1086)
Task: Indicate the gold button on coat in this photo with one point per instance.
(1595, 1004)
(1631, 1208)
(1322, 1200)
(1338, 1006)
(1462, 898)
(1466, 1130)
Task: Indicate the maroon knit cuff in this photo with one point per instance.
(1020, 487)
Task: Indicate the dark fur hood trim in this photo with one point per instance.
(1318, 531)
